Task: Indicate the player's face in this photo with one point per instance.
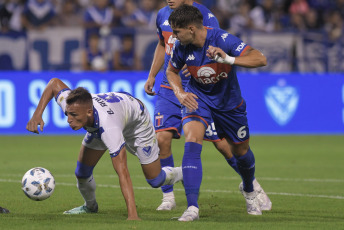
(174, 4)
(184, 35)
(79, 115)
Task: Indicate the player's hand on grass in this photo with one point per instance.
(149, 86)
(33, 123)
(188, 100)
(186, 71)
(134, 218)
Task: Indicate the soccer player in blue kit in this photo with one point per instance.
(167, 113)
(211, 56)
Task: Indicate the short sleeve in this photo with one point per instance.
(177, 58)
(114, 140)
(158, 30)
(231, 44)
(209, 20)
(61, 98)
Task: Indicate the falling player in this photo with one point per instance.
(114, 121)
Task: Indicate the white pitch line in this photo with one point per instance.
(203, 190)
(326, 180)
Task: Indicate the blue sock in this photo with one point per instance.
(233, 163)
(157, 181)
(192, 172)
(246, 166)
(167, 162)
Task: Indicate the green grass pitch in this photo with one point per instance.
(303, 176)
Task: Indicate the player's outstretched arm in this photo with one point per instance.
(120, 165)
(157, 63)
(185, 98)
(54, 86)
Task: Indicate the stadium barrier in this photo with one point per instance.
(59, 48)
(276, 103)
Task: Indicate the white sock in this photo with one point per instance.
(173, 175)
(87, 188)
(168, 195)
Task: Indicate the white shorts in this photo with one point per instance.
(146, 153)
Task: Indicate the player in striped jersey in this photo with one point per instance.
(113, 121)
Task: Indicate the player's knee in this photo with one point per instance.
(164, 139)
(83, 171)
(157, 181)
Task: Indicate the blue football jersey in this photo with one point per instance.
(214, 83)
(164, 32)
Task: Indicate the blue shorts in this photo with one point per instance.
(167, 113)
(168, 116)
(231, 124)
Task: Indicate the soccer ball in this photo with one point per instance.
(38, 184)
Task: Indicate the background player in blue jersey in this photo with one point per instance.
(167, 113)
(211, 56)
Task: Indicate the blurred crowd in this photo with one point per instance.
(99, 17)
(233, 15)
(324, 16)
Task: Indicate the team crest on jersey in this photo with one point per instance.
(282, 102)
(147, 150)
(159, 120)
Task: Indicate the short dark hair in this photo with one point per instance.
(80, 95)
(185, 15)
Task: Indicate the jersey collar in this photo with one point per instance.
(95, 126)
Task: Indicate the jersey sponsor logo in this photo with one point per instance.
(207, 75)
(282, 102)
(210, 15)
(191, 57)
(240, 47)
(224, 36)
(169, 41)
(159, 120)
(205, 72)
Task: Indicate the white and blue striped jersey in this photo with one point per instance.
(119, 120)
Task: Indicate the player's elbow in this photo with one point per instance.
(54, 81)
